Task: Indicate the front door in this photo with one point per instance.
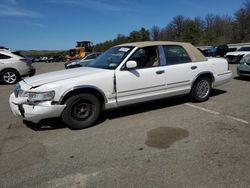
(144, 82)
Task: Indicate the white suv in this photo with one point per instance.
(13, 67)
(123, 75)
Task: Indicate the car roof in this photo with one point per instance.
(9, 53)
(5, 50)
(194, 53)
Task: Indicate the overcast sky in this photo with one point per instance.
(58, 24)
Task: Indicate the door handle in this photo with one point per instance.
(194, 67)
(160, 72)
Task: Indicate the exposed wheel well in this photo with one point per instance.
(92, 91)
(207, 74)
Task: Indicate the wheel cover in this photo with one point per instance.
(9, 77)
(203, 89)
(81, 110)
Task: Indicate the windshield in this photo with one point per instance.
(112, 58)
(244, 49)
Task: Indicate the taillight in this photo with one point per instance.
(24, 60)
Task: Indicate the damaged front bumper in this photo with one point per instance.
(34, 112)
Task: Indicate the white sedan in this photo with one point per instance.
(124, 74)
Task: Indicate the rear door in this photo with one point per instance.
(180, 70)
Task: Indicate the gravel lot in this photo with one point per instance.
(168, 143)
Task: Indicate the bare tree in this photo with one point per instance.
(155, 33)
(242, 25)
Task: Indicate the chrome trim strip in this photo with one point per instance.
(119, 92)
(224, 73)
(141, 93)
(83, 87)
(173, 83)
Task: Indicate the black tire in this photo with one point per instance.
(82, 111)
(10, 76)
(201, 89)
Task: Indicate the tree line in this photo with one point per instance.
(210, 30)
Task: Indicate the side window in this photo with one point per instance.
(2, 56)
(175, 55)
(146, 57)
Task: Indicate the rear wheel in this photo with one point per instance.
(10, 76)
(201, 89)
(81, 111)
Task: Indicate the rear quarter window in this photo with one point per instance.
(176, 55)
(3, 56)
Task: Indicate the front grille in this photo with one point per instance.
(231, 58)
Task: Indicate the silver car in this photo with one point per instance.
(82, 62)
(13, 67)
(243, 68)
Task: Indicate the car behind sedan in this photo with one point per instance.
(13, 67)
(243, 68)
(82, 62)
(235, 57)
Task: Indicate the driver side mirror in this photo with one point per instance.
(131, 64)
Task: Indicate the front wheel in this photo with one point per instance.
(81, 111)
(201, 89)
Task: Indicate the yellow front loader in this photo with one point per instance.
(81, 50)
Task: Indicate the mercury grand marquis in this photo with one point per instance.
(123, 75)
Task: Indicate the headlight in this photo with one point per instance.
(17, 90)
(40, 96)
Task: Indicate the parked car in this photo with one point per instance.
(58, 59)
(235, 57)
(232, 49)
(222, 50)
(40, 59)
(206, 52)
(36, 59)
(44, 59)
(13, 67)
(125, 74)
(50, 60)
(243, 68)
(82, 62)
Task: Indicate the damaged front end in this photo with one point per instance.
(234, 59)
(34, 106)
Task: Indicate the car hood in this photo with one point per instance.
(238, 53)
(50, 77)
(72, 61)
